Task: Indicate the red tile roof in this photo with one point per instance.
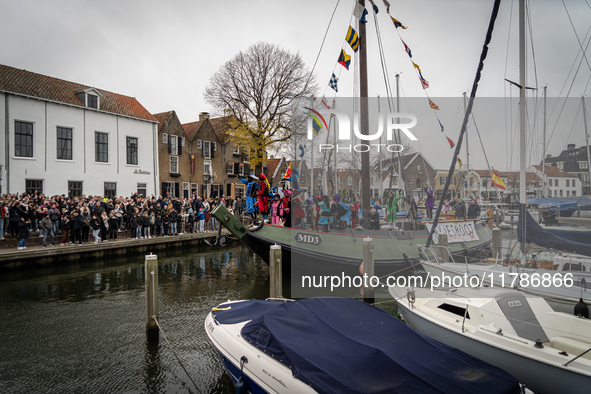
(272, 166)
(555, 171)
(23, 82)
(221, 127)
(191, 129)
(162, 117)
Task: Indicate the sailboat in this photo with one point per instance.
(341, 249)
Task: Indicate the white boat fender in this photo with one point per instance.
(241, 385)
(581, 309)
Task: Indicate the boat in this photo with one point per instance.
(565, 291)
(339, 345)
(341, 249)
(548, 351)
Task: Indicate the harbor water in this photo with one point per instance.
(81, 328)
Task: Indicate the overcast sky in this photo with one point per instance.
(164, 53)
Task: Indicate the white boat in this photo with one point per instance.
(548, 351)
(339, 345)
(565, 291)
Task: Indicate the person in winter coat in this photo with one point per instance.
(75, 228)
(251, 193)
(201, 219)
(95, 225)
(113, 223)
(104, 226)
(146, 225)
(152, 223)
(473, 210)
(15, 212)
(166, 225)
(263, 196)
(132, 225)
(85, 216)
(173, 216)
(65, 227)
(460, 210)
(299, 215)
(23, 233)
(54, 216)
(45, 229)
(158, 225)
(354, 213)
(374, 220)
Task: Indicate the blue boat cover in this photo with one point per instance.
(563, 240)
(339, 345)
(565, 203)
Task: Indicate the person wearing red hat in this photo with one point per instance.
(263, 201)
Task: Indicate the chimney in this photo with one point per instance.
(570, 147)
(205, 115)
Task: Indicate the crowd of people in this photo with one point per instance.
(75, 220)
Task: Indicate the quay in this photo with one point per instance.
(36, 255)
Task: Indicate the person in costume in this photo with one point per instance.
(263, 196)
(325, 214)
(286, 208)
(251, 192)
(392, 208)
(429, 203)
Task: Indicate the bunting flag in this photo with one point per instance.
(397, 23)
(497, 181)
(360, 12)
(460, 162)
(434, 106)
(374, 6)
(407, 49)
(387, 4)
(352, 39)
(301, 148)
(425, 83)
(417, 67)
(440, 124)
(333, 83)
(323, 101)
(287, 173)
(344, 59)
(451, 145)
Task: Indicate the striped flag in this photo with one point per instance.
(433, 105)
(497, 181)
(352, 39)
(407, 49)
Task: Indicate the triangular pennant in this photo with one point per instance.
(397, 23)
(440, 125)
(451, 145)
(407, 49)
(387, 4)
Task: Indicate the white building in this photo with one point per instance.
(560, 183)
(59, 136)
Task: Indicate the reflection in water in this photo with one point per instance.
(81, 328)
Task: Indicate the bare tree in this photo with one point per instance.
(257, 87)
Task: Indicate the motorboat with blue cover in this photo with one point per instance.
(340, 345)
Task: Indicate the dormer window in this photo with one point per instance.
(90, 98)
(92, 101)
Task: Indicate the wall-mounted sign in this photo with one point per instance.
(140, 172)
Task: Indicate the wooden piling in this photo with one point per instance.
(497, 244)
(442, 249)
(558, 211)
(275, 272)
(368, 270)
(578, 211)
(151, 274)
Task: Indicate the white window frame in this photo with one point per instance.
(175, 160)
(174, 145)
(207, 165)
(165, 138)
(182, 141)
(583, 165)
(207, 151)
(230, 168)
(241, 169)
(349, 180)
(236, 150)
(215, 146)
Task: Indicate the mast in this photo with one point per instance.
(586, 138)
(522, 139)
(400, 178)
(312, 153)
(467, 156)
(364, 115)
(380, 159)
(544, 188)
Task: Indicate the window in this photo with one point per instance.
(560, 194)
(23, 139)
(168, 189)
(560, 165)
(174, 164)
(418, 167)
(101, 147)
(92, 101)
(549, 182)
(216, 191)
(142, 189)
(214, 146)
(132, 150)
(165, 138)
(199, 144)
(172, 145)
(207, 150)
(568, 183)
(303, 177)
(568, 193)
(239, 190)
(410, 179)
(236, 151)
(74, 188)
(556, 183)
(207, 167)
(34, 185)
(574, 194)
(555, 193)
(110, 189)
(241, 169)
(186, 189)
(182, 141)
(349, 180)
(64, 143)
(583, 165)
(585, 179)
(194, 188)
(230, 168)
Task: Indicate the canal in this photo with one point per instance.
(81, 328)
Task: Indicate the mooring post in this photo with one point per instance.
(497, 217)
(368, 270)
(151, 273)
(497, 244)
(442, 243)
(275, 272)
(558, 211)
(578, 211)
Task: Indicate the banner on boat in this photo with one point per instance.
(456, 231)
